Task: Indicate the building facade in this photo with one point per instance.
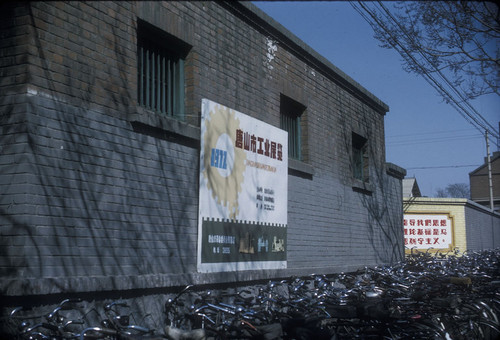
(480, 183)
(410, 188)
(100, 119)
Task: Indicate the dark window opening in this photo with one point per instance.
(290, 114)
(160, 71)
(360, 159)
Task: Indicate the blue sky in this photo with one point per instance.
(424, 135)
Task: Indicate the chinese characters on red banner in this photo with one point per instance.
(427, 231)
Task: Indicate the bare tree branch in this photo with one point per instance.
(461, 38)
(456, 190)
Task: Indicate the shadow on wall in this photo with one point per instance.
(99, 198)
(384, 225)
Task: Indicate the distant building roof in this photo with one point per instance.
(484, 166)
(480, 190)
(410, 188)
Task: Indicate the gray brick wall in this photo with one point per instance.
(95, 198)
(482, 227)
(100, 194)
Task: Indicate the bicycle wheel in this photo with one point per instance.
(414, 330)
(476, 321)
(343, 329)
(475, 329)
(177, 333)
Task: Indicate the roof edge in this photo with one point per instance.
(395, 171)
(448, 201)
(263, 22)
(494, 157)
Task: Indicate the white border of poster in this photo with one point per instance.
(428, 231)
(243, 192)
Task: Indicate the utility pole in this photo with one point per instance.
(490, 180)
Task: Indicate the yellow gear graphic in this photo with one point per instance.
(225, 190)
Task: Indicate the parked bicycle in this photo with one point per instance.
(428, 296)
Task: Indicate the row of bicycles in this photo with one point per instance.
(427, 296)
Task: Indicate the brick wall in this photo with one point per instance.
(101, 194)
(480, 184)
(474, 227)
(90, 205)
(483, 227)
(453, 207)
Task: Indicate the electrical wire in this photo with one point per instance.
(443, 167)
(461, 104)
(431, 140)
(462, 98)
(440, 132)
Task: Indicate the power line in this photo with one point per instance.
(428, 133)
(461, 104)
(431, 140)
(443, 167)
(484, 123)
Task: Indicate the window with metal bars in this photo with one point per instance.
(360, 159)
(290, 113)
(160, 73)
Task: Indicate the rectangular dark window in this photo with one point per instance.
(290, 113)
(360, 159)
(160, 72)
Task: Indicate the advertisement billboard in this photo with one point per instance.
(242, 222)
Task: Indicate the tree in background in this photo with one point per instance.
(456, 190)
(459, 38)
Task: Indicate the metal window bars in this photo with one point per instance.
(291, 124)
(160, 80)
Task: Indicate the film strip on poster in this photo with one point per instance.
(428, 231)
(242, 223)
(233, 241)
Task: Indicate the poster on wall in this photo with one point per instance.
(242, 222)
(428, 231)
